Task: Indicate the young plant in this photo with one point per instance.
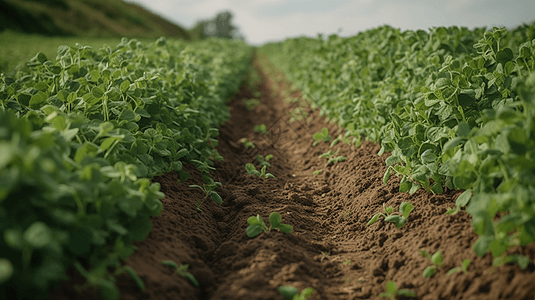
(257, 225)
(399, 220)
(324, 255)
(521, 260)
(251, 170)
(182, 271)
(292, 293)
(264, 161)
(260, 129)
(463, 268)
(392, 291)
(250, 104)
(209, 191)
(436, 259)
(346, 263)
(317, 172)
(323, 135)
(246, 143)
(332, 158)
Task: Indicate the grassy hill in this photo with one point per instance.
(95, 18)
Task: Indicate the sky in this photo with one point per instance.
(261, 21)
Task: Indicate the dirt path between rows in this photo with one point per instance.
(330, 249)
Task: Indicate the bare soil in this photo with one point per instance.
(330, 249)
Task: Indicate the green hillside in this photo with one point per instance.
(96, 18)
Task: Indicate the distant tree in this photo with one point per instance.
(220, 26)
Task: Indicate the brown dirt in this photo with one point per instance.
(329, 213)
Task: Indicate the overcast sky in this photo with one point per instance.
(262, 21)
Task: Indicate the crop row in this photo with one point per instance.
(455, 107)
(81, 135)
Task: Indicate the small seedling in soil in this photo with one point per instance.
(182, 271)
(346, 214)
(463, 268)
(436, 259)
(260, 129)
(324, 255)
(257, 225)
(332, 158)
(347, 262)
(392, 291)
(323, 135)
(337, 140)
(317, 172)
(250, 104)
(399, 220)
(251, 170)
(264, 161)
(292, 293)
(209, 191)
(247, 144)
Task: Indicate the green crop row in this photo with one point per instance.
(455, 107)
(80, 137)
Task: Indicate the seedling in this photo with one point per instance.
(436, 259)
(346, 214)
(521, 260)
(323, 135)
(463, 268)
(182, 271)
(292, 293)
(332, 158)
(209, 191)
(337, 140)
(250, 104)
(399, 220)
(247, 144)
(264, 161)
(257, 225)
(317, 172)
(347, 262)
(392, 291)
(324, 255)
(251, 169)
(261, 129)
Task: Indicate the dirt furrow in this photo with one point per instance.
(330, 249)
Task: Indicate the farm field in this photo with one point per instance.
(407, 163)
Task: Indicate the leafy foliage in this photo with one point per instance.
(251, 169)
(292, 293)
(436, 259)
(405, 209)
(257, 225)
(323, 135)
(454, 106)
(79, 139)
(392, 291)
(182, 270)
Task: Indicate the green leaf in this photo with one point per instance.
(170, 264)
(393, 218)
(108, 291)
(215, 196)
(253, 230)
(286, 228)
(192, 279)
(373, 219)
(437, 258)
(288, 292)
(405, 209)
(429, 271)
(386, 176)
(136, 278)
(6, 270)
(391, 287)
(37, 235)
(275, 219)
(97, 92)
(464, 198)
